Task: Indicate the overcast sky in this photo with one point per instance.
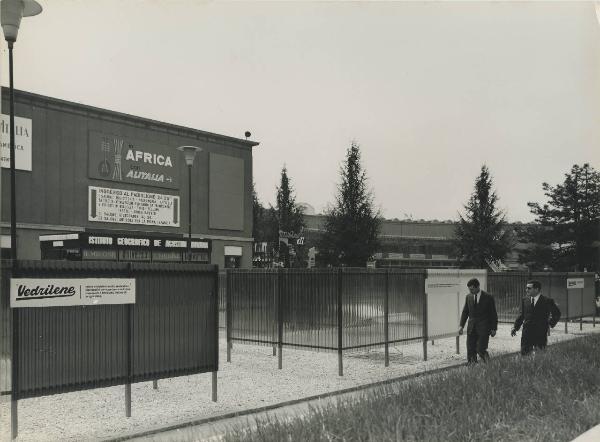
(430, 90)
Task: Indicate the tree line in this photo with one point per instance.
(565, 235)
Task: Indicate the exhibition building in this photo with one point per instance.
(94, 184)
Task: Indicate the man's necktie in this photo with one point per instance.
(475, 299)
(532, 303)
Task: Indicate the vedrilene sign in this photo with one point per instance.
(31, 292)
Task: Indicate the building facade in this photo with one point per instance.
(97, 184)
(409, 244)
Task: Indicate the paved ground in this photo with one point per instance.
(250, 381)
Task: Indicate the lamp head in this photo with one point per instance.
(11, 12)
(189, 153)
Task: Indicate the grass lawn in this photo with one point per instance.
(552, 395)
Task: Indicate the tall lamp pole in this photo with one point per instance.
(12, 11)
(189, 153)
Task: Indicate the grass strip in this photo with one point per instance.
(552, 395)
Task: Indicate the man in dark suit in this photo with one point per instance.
(480, 308)
(537, 314)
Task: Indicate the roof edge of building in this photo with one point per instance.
(61, 104)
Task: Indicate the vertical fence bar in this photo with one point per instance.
(129, 359)
(567, 312)
(228, 313)
(581, 314)
(339, 321)
(216, 331)
(214, 386)
(14, 405)
(424, 325)
(277, 314)
(129, 313)
(279, 320)
(386, 317)
(458, 336)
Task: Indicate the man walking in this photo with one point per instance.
(480, 308)
(537, 314)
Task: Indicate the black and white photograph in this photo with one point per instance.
(299, 220)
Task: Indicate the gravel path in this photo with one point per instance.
(250, 381)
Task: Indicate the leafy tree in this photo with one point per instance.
(567, 229)
(290, 219)
(264, 221)
(482, 235)
(352, 225)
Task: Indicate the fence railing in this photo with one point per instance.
(346, 309)
(324, 309)
(171, 330)
(509, 288)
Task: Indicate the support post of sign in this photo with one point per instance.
(228, 313)
(216, 293)
(14, 365)
(128, 400)
(340, 318)
(14, 405)
(581, 313)
(214, 386)
(279, 321)
(129, 311)
(386, 317)
(567, 314)
(458, 336)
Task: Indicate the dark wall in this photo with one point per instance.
(55, 192)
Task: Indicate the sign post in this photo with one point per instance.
(575, 284)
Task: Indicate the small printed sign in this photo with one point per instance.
(31, 292)
(575, 283)
(123, 206)
(23, 135)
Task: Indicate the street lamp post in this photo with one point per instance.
(189, 153)
(11, 13)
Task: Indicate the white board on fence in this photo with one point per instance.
(32, 292)
(575, 283)
(446, 290)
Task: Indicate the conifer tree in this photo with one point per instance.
(482, 236)
(352, 224)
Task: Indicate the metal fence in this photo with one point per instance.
(346, 309)
(325, 309)
(508, 290)
(170, 331)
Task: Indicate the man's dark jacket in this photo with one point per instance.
(535, 320)
(483, 316)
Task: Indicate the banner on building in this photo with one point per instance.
(132, 207)
(30, 292)
(23, 134)
(128, 160)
